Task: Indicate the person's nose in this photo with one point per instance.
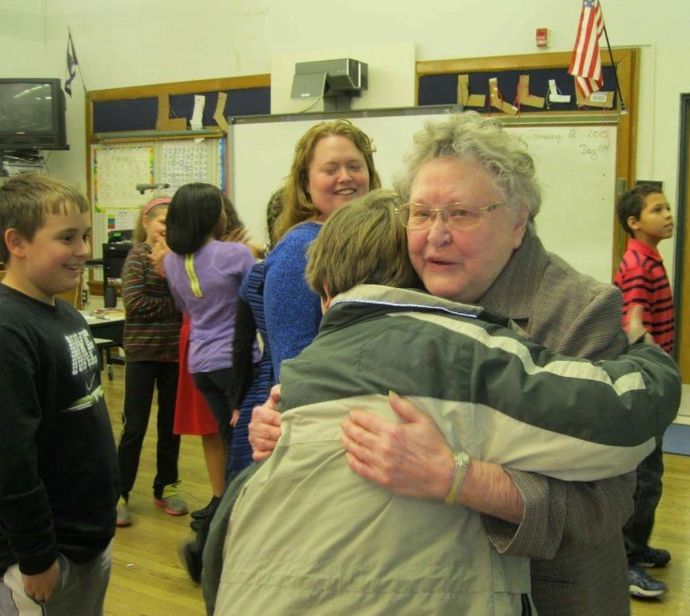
(439, 234)
(344, 175)
(84, 247)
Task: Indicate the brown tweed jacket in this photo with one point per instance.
(571, 531)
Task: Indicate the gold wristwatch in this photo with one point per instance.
(462, 463)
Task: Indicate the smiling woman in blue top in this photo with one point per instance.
(333, 164)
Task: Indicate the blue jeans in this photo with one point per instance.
(79, 590)
(638, 528)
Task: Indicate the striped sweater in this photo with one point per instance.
(152, 320)
(642, 279)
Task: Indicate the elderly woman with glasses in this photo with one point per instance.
(471, 198)
(309, 536)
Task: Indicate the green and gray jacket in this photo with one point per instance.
(307, 535)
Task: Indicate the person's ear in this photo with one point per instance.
(633, 223)
(15, 242)
(521, 220)
(327, 299)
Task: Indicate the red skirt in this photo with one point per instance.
(192, 415)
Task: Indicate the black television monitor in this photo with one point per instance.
(32, 114)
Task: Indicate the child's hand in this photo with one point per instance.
(158, 252)
(634, 326)
(239, 235)
(40, 586)
(234, 418)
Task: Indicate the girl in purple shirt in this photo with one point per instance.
(204, 276)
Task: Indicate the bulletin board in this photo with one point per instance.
(147, 134)
(118, 168)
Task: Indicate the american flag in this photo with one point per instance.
(585, 63)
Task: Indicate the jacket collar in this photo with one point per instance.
(512, 293)
(644, 249)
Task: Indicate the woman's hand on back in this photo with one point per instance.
(264, 427)
(409, 458)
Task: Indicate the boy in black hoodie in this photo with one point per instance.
(58, 467)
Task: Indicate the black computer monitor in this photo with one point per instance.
(114, 255)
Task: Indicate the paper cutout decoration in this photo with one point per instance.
(197, 121)
(164, 121)
(219, 113)
(524, 97)
(555, 95)
(600, 99)
(464, 96)
(497, 100)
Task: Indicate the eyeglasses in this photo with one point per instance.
(456, 215)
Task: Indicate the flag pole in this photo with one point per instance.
(615, 72)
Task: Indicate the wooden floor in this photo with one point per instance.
(147, 576)
(148, 579)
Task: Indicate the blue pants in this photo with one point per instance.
(638, 528)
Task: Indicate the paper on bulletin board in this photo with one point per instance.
(182, 162)
(122, 219)
(116, 172)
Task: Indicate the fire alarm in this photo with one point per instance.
(542, 37)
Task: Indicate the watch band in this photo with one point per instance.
(462, 463)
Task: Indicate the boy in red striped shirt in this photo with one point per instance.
(646, 216)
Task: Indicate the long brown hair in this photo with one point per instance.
(297, 206)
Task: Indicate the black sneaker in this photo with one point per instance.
(651, 557)
(191, 559)
(199, 514)
(643, 585)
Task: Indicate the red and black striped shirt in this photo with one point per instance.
(642, 279)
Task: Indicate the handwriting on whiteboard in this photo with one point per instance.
(587, 142)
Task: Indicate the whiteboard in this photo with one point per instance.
(575, 166)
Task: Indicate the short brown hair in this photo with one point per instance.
(631, 203)
(362, 243)
(25, 199)
(297, 207)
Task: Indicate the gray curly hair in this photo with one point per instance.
(482, 140)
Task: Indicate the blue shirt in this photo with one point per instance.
(291, 308)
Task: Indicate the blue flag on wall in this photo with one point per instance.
(72, 63)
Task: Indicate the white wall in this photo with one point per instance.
(136, 42)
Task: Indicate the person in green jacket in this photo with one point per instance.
(309, 535)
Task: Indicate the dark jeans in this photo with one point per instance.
(220, 390)
(140, 379)
(647, 495)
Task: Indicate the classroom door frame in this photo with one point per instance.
(681, 278)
